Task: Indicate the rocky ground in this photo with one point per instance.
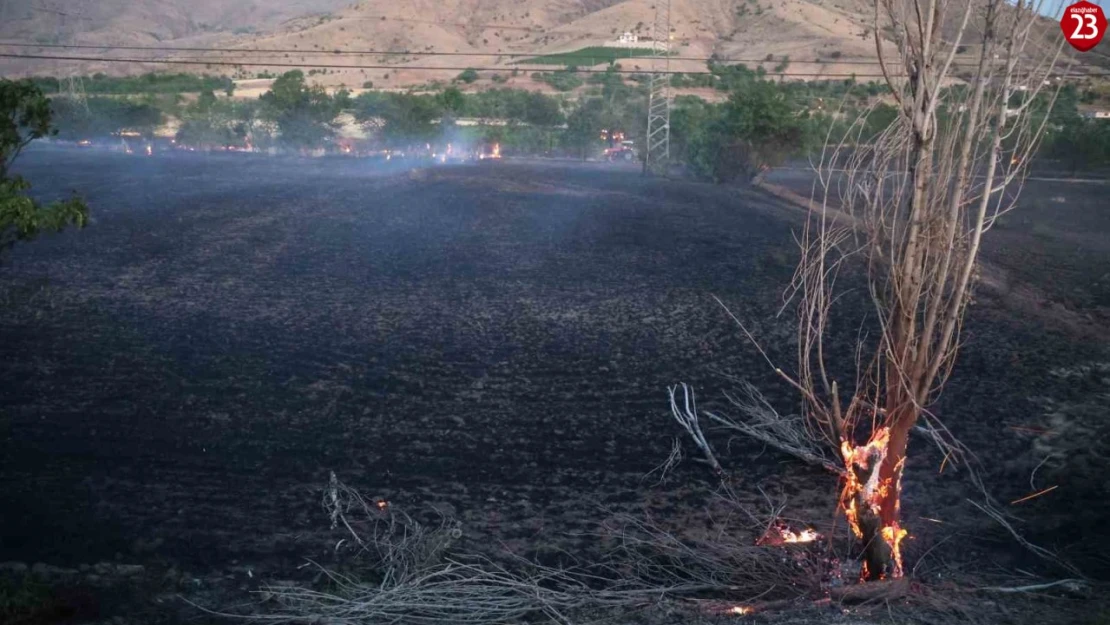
(493, 342)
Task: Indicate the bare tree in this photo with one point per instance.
(915, 203)
(911, 205)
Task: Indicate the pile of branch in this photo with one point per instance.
(727, 565)
(412, 574)
(758, 421)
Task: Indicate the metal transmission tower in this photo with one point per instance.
(74, 86)
(658, 141)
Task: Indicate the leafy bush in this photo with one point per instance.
(561, 80)
(468, 75)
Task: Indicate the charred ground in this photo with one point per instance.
(494, 341)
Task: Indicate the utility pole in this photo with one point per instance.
(658, 143)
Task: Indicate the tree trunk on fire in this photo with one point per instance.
(879, 507)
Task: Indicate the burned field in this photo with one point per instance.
(493, 342)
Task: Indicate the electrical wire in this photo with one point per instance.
(363, 52)
(258, 63)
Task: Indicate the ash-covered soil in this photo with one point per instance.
(493, 341)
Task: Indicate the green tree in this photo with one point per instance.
(104, 116)
(25, 117)
(468, 75)
(399, 118)
(690, 118)
(756, 129)
(584, 126)
(304, 114)
(1081, 143)
(451, 103)
(208, 122)
(542, 110)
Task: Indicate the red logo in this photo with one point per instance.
(1083, 24)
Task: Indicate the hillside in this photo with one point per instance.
(147, 22)
(820, 38)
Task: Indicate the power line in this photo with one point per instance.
(336, 52)
(364, 52)
(386, 18)
(256, 63)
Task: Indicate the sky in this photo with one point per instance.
(1054, 9)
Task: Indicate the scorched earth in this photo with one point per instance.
(493, 342)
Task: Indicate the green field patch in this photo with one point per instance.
(588, 57)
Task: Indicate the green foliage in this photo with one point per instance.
(104, 116)
(879, 119)
(755, 130)
(399, 118)
(304, 114)
(211, 122)
(690, 119)
(588, 57)
(562, 80)
(452, 101)
(734, 77)
(25, 117)
(584, 126)
(100, 84)
(1081, 143)
(686, 81)
(468, 75)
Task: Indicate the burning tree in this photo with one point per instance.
(917, 202)
(912, 206)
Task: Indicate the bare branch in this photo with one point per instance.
(686, 414)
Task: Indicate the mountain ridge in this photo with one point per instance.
(805, 39)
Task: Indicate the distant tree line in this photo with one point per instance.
(145, 83)
(761, 123)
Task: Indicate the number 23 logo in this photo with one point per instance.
(1083, 25)
(1086, 26)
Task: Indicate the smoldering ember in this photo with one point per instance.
(334, 312)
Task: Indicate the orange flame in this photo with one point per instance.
(782, 535)
(804, 536)
(872, 493)
(893, 535)
(741, 610)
